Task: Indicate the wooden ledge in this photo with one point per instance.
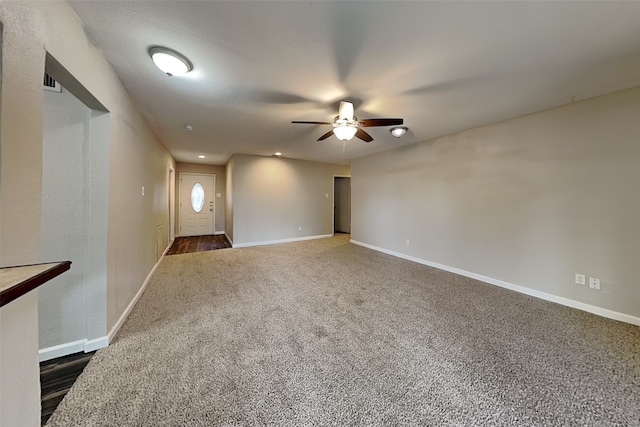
(17, 281)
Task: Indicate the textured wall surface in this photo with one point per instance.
(66, 217)
(75, 200)
(529, 201)
(273, 198)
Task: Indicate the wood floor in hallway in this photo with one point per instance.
(185, 245)
(56, 378)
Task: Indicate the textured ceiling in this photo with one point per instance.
(442, 66)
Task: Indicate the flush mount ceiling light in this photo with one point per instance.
(398, 131)
(170, 61)
(345, 132)
(201, 156)
(277, 154)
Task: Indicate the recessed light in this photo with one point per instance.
(188, 127)
(201, 156)
(277, 153)
(168, 60)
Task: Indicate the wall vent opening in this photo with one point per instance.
(51, 84)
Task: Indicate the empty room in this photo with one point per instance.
(344, 213)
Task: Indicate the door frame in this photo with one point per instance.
(213, 216)
(172, 205)
(333, 203)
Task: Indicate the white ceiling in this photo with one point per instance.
(442, 66)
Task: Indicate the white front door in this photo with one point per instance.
(197, 211)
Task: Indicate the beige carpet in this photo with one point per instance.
(324, 332)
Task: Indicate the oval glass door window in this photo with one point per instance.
(197, 197)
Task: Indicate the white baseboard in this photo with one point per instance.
(87, 345)
(49, 353)
(96, 344)
(116, 327)
(523, 290)
(273, 242)
(66, 349)
(217, 233)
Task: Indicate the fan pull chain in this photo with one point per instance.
(344, 151)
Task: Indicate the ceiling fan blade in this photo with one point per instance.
(363, 135)
(311, 123)
(380, 122)
(346, 110)
(326, 135)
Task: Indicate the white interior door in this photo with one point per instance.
(197, 211)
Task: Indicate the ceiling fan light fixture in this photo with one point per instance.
(398, 131)
(169, 61)
(345, 132)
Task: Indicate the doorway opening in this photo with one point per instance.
(342, 204)
(72, 308)
(172, 204)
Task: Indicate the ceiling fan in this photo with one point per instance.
(346, 125)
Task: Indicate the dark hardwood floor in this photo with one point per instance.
(185, 245)
(56, 378)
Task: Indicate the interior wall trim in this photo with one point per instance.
(96, 344)
(73, 347)
(622, 317)
(65, 349)
(273, 242)
(87, 345)
(112, 333)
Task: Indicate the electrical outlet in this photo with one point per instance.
(300, 228)
(594, 283)
(581, 279)
(406, 242)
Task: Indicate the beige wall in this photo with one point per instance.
(273, 197)
(20, 187)
(21, 155)
(136, 159)
(529, 201)
(221, 178)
